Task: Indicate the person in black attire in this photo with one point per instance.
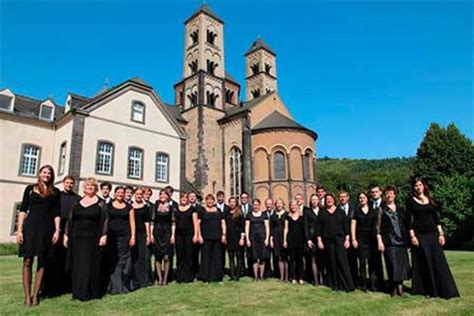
(294, 240)
(56, 280)
(431, 274)
(269, 270)
(39, 231)
(170, 190)
(308, 274)
(235, 222)
(321, 193)
(332, 231)
(362, 235)
(105, 189)
(85, 235)
(212, 234)
(277, 224)
(140, 259)
(224, 209)
(185, 235)
(392, 238)
(245, 253)
(375, 262)
(193, 200)
(161, 236)
(120, 238)
(147, 194)
(310, 217)
(129, 191)
(257, 233)
(344, 205)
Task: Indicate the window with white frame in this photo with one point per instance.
(162, 167)
(62, 159)
(235, 172)
(135, 163)
(138, 112)
(105, 155)
(29, 160)
(46, 112)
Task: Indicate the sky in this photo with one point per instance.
(369, 77)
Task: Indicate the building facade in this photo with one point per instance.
(207, 141)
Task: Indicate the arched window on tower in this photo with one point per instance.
(211, 98)
(192, 97)
(193, 66)
(279, 166)
(307, 166)
(235, 172)
(255, 69)
(267, 68)
(194, 37)
(256, 93)
(211, 37)
(229, 95)
(211, 67)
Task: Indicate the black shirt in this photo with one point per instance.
(142, 216)
(119, 220)
(295, 237)
(211, 228)
(184, 221)
(422, 218)
(68, 200)
(332, 225)
(365, 222)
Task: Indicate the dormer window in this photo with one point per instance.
(138, 112)
(46, 112)
(7, 99)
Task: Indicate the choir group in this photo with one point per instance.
(94, 245)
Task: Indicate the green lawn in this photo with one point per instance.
(244, 297)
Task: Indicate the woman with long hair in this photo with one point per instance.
(140, 258)
(161, 236)
(235, 237)
(431, 274)
(362, 235)
(294, 240)
(392, 239)
(277, 223)
(212, 235)
(185, 234)
(332, 231)
(121, 238)
(257, 233)
(38, 229)
(310, 217)
(85, 235)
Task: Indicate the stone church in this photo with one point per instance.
(255, 145)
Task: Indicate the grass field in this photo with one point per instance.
(244, 297)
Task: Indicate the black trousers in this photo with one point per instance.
(295, 264)
(211, 261)
(184, 258)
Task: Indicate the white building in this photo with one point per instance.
(124, 135)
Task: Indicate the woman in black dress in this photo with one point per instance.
(162, 219)
(310, 217)
(212, 235)
(86, 233)
(277, 224)
(39, 231)
(257, 232)
(140, 259)
(120, 238)
(235, 221)
(362, 234)
(332, 231)
(431, 274)
(185, 235)
(392, 238)
(293, 240)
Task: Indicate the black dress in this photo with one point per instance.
(277, 223)
(140, 258)
(38, 227)
(431, 274)
(391, 225)
(235, 228)
(118, 239)
(257, 236)
(333, 228)
(184, 244)
(310, 218)
(162, 232)
(365, 233)
(211, 269)
(296, 242)
(85, 227)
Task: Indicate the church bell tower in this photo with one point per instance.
(260, 70)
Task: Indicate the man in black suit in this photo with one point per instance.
(170, 190)
(224, 208)
(375, 262)
(344, 205)
(321, 193)
(246, 209)
(147, 194)
(268, 272)
(105, 189)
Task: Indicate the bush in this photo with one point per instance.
(8, 249)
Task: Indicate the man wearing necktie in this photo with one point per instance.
(344, 205)
(375, 263)
(224, 208)
(321, 193)
(246, 209)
